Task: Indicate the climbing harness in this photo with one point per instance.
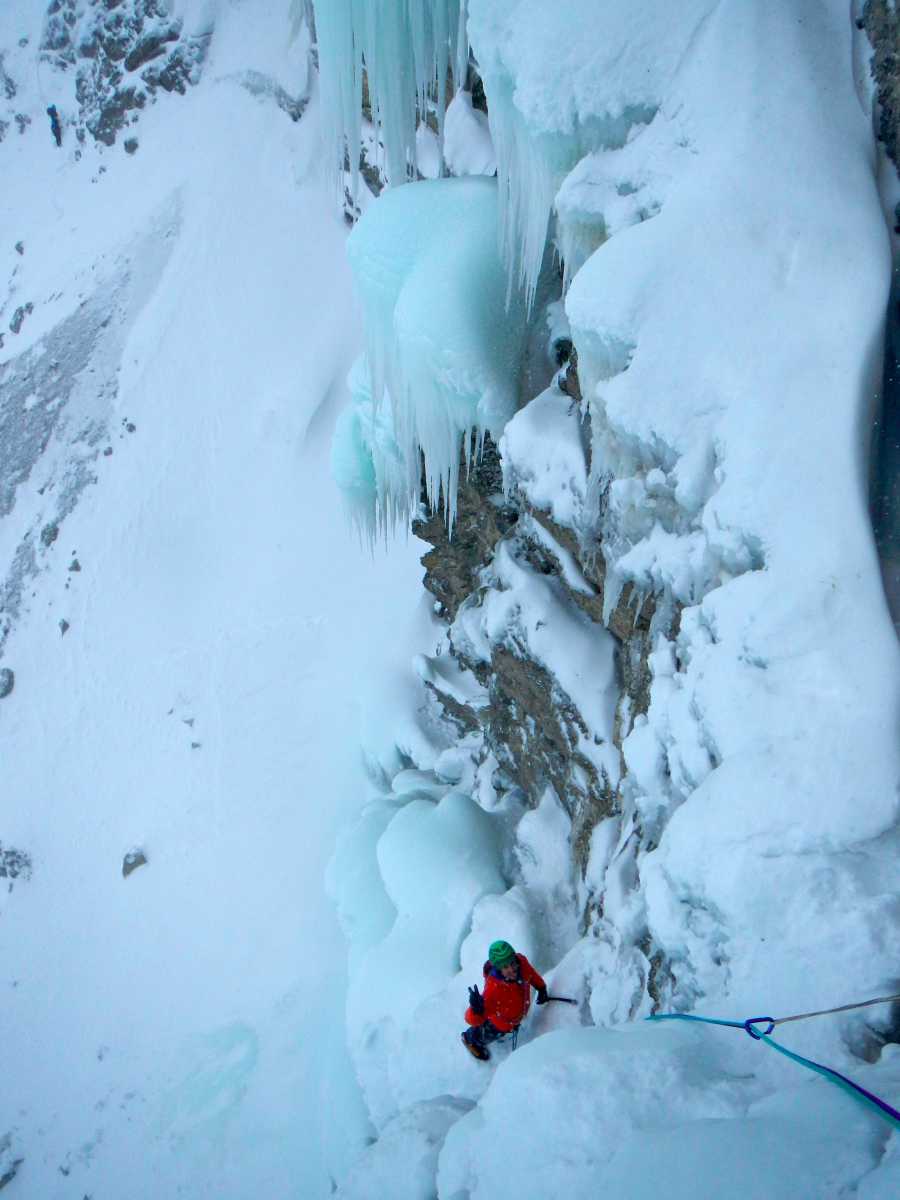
(885, 1110)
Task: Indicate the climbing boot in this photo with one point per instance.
(476, 1051)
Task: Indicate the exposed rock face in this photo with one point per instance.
(8, 92)
(882, 23)
(123, 52)
(7, 86)
(9, 1160)
(483, 516)
(18, 317)
(14, 864)
(265, 87)
(533, 728)
(536, 733)
(48, 414)
(132, 860)
(629, 622)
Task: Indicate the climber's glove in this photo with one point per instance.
(542, 996)
(476, 1000)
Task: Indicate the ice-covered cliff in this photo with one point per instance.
(602, 309)
(662, 704)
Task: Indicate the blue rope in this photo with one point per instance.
(881, 1107)
(691, 1017)
(868, 1098)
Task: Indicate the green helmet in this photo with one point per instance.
(501, 954)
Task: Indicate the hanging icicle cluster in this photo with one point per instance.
(404, 48)
(443, 350)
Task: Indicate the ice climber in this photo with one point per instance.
(55, 126)
(508, 980)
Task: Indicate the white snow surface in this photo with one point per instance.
(543, 455)
(176, 1032)
(628, 1112)
(468, 148)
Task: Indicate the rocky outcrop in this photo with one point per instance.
(10, 1161)
(123, 53)
(18, 317)
(534, 730)
(630, 621)
(9, 113)
(14, 864)
(882, 24)
(267, 88)
(133, 859)
(537, 733)
(483, 516)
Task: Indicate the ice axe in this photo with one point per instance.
(558, 999)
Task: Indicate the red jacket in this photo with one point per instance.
(506, 1001)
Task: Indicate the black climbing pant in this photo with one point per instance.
(482, 1035)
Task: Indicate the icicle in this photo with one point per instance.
(340, 80)
(540, 132)
(406, 48)
(367, 463)
(443, 349)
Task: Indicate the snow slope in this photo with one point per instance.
(176, 1032)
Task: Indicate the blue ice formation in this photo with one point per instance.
(442, 348)
(405, 48)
